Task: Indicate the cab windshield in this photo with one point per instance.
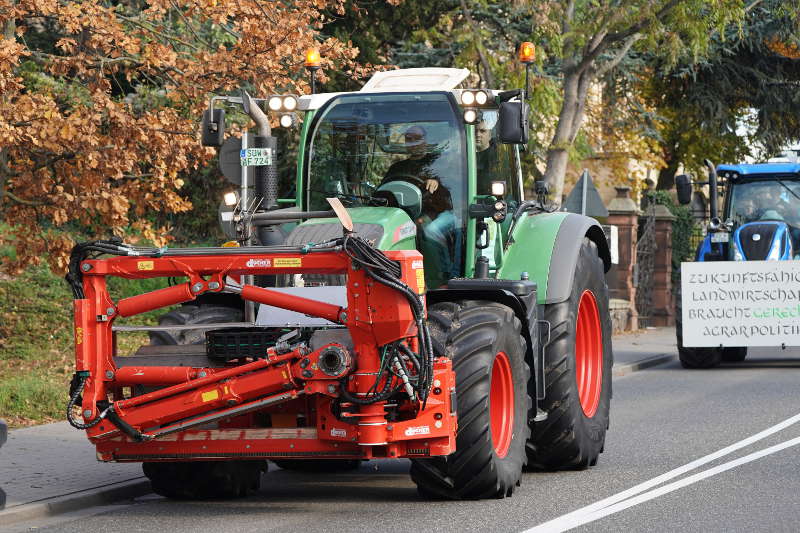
(766, 199)
(363, 142)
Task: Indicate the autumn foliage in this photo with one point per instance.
(100, 104)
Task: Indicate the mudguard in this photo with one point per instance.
(546, 246)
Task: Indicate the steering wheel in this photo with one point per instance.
(409, 177)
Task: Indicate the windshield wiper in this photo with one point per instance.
(788, 189)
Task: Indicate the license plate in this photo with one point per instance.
(721, 236)
(255, 157)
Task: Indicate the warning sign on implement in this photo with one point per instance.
(741, 303)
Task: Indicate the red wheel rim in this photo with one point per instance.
(501, 404)
(588, 354)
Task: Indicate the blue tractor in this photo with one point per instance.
(760, 221)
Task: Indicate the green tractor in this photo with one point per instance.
(515, 293)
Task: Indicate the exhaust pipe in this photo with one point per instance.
(712, 186)
(266, 176)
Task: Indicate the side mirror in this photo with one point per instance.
(212, 127)
(683, 185)
(513, 123)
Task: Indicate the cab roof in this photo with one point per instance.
(761, 169)
(406, 80)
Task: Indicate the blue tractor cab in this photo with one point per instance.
(760, 216)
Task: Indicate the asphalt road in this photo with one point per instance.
(663, 419)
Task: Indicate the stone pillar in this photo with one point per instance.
(623, 213)
(663, 312)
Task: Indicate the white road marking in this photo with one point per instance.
(563, 525)
(574, 518)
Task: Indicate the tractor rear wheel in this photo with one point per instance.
(483, 339)
(577, 367)
(203, 480)
(693, 357)
(192, 314)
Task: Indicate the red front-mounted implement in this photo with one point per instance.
(365, 386)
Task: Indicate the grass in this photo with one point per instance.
(36, 346)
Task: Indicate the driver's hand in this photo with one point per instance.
(431, 185)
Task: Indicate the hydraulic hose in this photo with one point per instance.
(73, 400)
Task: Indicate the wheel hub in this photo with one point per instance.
(588, 354)
(501, 404)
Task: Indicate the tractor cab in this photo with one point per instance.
(412, 151)
(763, 210)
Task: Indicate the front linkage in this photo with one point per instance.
(384, 394)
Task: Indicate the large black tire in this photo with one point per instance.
(193, 314)
(570, 438)
(693, 357)
(318, 465)
(734, 355)
(203, 480)
(483, 340)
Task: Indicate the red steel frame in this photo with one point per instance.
(172, 417)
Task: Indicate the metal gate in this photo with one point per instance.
(645, 264)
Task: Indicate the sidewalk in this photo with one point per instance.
(645, 348)
(52, 468)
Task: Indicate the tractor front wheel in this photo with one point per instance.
(694, 357)
(734, 355)
(483, 340)
(203, 480)
(577, 369)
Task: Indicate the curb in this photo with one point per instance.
(76, 501)
(642, 364)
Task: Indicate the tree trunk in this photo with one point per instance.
(488, 77)
(576, 85)
(9, 31)
(666, 176)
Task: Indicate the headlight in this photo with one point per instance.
(231, 199)
(467, 98)
(289, 103)
(275, 103)
(470, 116)
(481, 98)
(287, 121)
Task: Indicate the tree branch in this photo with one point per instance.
(619, 56)
(22, 201)
(476, 38)
(641, 24)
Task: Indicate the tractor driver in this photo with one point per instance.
(438, 241)
(485, 155)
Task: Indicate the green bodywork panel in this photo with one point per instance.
(531, 248)
(399, 231)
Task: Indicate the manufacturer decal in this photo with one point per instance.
(417, 430)
(416, 264)
(420, 281)
(258, 263)
(338, 432)
(288, 262)
(404, 231)
(145, 265)
(78, 335)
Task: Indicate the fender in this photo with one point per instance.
(550, 260)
